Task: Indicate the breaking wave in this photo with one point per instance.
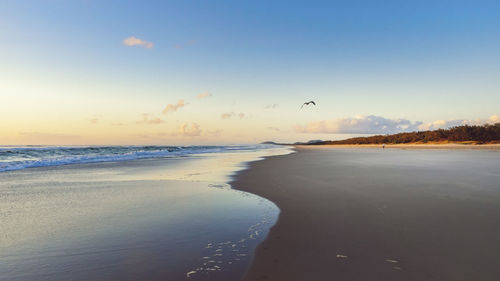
(17, 158)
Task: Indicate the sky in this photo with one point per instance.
(88, 72)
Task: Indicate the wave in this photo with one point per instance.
(17, 158)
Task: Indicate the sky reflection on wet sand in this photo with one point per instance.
(145, 219)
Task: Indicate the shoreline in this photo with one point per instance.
(171, 211)
(332, 225)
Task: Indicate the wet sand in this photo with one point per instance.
(368, 214)
(412, 146)
(145, 219)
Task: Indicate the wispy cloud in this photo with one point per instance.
(271, 106)
(214, 133)
(231, 114)
(190, 130)
(203, 95)
(95, 119)
(359, 125)
(276, 129)
(134, 41)
(150, 119)
(227, 115)
(174, 107)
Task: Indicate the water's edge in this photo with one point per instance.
(236, 184)
(66, 176)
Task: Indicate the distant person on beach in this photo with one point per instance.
(383, 146)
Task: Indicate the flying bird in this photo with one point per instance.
(307, 103)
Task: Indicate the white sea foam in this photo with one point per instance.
(17, 158)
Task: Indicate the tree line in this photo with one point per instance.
(487, 133)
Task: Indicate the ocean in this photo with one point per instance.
(129, 212)
(21, 157)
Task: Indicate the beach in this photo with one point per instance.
(451, 146)
(174, 217)
(364, 213)
(249, 140)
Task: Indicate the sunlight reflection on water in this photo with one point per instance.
(143, 219)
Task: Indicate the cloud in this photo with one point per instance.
(189, 130)
(134, 41)
(203, 95)
(276, 129)
(231, 114)
(440, 124)
(443, 124)
(372, 124)
(494, 119)
(227, 115)
(214, 133)
(174, 107)
(271, 106)
(359, 125)
(150, 119)
(95, 119)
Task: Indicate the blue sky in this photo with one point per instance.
(65, 63)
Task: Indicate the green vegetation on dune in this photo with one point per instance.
(478, 134)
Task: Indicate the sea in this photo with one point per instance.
(129, 212)
(21, 157)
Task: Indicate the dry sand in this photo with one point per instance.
(363, 214)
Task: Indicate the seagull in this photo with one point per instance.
(307, 103)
